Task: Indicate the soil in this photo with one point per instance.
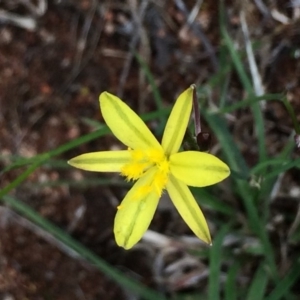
(51, 76)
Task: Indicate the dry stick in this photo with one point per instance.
(8, 215)
(39, 9)
(257, 82)
(132, 46)
(77, 68)
(82, 41)
(196, 28)
(262, 8)
(145, 53)
(256, 78)
(28, 23)
(88, 57)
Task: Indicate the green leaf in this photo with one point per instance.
(215, 262)
(259, 284)
(284, 285)
(231, 289)
(121, 279)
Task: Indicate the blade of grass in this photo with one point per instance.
(151, 80)
(83, 183)
(274, 163)
(213, 81)
(224, 90)
(82, 251)
(283, 168)
(295, 237)
(155, 91)
(21, 161)
(292, 114)
(234, 156)
(271, 179)
(204, 198)
(21, 178)
(285, 284)
(257, 225)
(92, 123)
(230, 291)
(259, 284)
(215, 261)
(40, 159)
(250, 101)
(236, 161)
(271, 175)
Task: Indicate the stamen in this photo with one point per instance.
(161, 177)
(143, 160)
(133, 170)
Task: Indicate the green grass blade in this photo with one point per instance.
(249, 101)
(215, 261)
(82, 251)
(151, 80)
(257, 224)
(292, 114)
(81, 184)
(237, 61)
(274, 163)
(236, 162)
(204, 198)
(283, 168)
(233, 155)
(259, 284)
(270, 175)
(21, 178)
(230, 291)
(92, 123)
(284, 286)
(40, 159)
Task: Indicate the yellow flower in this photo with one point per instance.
(155, 167)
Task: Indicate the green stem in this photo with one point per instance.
(82, 251)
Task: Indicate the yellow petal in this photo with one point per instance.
(103, 161)
(136, 211)
(198, 168)
(188, 208)
(177, 122)
(125, 124)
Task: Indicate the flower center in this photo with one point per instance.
(143, 160)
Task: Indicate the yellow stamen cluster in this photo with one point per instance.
(161, 177)
(143, 160)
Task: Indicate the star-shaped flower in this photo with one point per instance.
(154, 166)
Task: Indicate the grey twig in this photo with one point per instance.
(80, 61)
(262, 8)
(133, 43)
(256, 78)
(38, 10)
(8, 215)
(196, 28)
(25, 22)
